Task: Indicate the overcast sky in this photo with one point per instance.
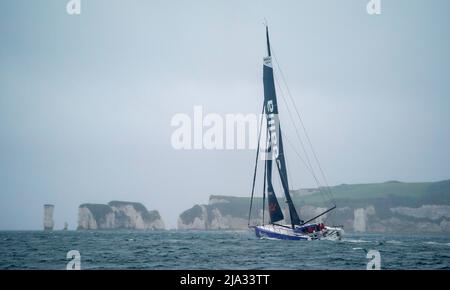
(86, 101)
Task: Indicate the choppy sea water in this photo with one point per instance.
(215, 250)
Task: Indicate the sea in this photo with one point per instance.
(172, 249)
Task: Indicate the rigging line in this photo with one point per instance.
(330, 214)
(292, 121)
(327, 211)
(284, 181)
(303, 125)
(288, 171)
(278, 184)
(312, 173)
(323, 194)
(288, 197)
(298, 154)
(256, 167)
(289, 176)
(277, 190)
(264, 191)
(301, 121)
(309, 164)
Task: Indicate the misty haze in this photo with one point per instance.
(90, 105)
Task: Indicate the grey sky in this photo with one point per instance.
(86, 101)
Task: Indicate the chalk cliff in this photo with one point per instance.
(118, 215)
(222, 212)
(380, 207)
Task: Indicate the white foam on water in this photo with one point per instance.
(437, 243)
(395, 242)
(269, 238)
(355, 241)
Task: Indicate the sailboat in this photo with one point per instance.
(298, 229)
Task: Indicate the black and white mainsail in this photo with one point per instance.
(275, 145)
(275, 151)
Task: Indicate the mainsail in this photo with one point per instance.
(275, 157)
(275, 145)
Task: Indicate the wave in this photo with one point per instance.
(356, 241)
(268, 238)
(395, 242)
(436, 243)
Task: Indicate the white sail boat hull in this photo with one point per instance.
(280, 232)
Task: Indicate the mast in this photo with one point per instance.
(275, 211)
(268, 41)
(275, 145)
(256, 169)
